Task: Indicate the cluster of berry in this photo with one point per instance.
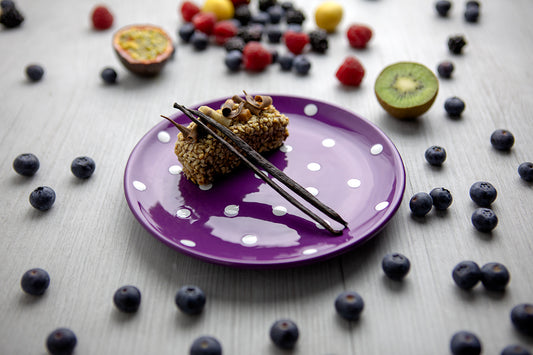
(43, 197)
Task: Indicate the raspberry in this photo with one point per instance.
(204, 22)
(351, 72)
(295, 41)
(188, 10)
(359, 35)
(224, 30)
(256, 57)
(101, 17)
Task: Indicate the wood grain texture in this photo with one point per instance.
(91, 244)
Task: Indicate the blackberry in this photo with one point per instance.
(484, 219)
(466, 274)
(443, 7)
(349, 305)
(10, 17)
(243, 14)
(319, 41)
(465, 343)
(35, 281)
(445, 69)
(234, 43)
(522, 318)
(442, 198)
(456, 44)
(251, 33)
(435, 155)
(264, 5)
(495, 276)
(396, 266)
(61, 341)
(284, 333)
(26, 164)
(525, 170)
(294, 16)
(502, 139)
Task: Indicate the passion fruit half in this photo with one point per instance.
(406, 89)
(143, 49)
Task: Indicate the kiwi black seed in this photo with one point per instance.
(406, 89)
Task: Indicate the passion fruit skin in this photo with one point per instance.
(411, 111)
(143, 67)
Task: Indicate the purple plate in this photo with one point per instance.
(349, 163)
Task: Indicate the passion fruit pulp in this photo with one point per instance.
(143, 49)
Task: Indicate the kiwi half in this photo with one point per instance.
(406, 89)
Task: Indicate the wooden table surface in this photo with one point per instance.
(91, 244)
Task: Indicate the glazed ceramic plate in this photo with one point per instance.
(346, 161)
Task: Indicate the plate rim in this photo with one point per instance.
(297, 261)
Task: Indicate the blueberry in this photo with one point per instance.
(275, 55)
(445, 69)
(443, 7)
(127, 299)
(206, 345)
(273, 33)
(261, 17)
(494, 276)
(301, 64)
(7, 4)
(420, 204)
(472, 14)
(287, 5)
(285, 61)
(83, 167)
(522, 318)
(484, 219)
(456, 44)
(276, 12)
(465, 343)
(42, 198)
(26, 164)
(294, 16)
(109, 75)
(243, 14)
(264, 5)
(185, 31)
(442, 198)
(466, 274)
(515, 350)
(502, 139)
(190, 299)
(349, 305)
(35, 281)
(284, 333)
(34, 72)
(395, 265)
(483, 193)
(472, 3)
(233, 60)
(199, 40)
(61, 341)
(435, 155)
(525, 170)
(454, 106)
(294, 27)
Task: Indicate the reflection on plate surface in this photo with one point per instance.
(346, 161)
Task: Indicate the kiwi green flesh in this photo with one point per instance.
(406, 89)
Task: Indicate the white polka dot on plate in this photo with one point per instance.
(175, 169)
(313, 166)
(376, 149)
(279, 210)
(328, 143)
(163, 137)
(310, 109)
(249, 239)
(188, 243)
(183, 213)
(354, 183)
(139, 185)
(231, 210)
(312, 190)
(309, 251)
(381, 206)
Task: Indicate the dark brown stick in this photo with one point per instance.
(259, 160)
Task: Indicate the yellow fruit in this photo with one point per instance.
(223, 9)
(328, 15)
